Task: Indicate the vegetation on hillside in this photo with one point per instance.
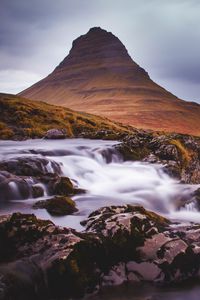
(21, 118)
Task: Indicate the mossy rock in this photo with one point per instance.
(64, 187)
(59, 205)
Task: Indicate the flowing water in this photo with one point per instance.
(97, 167)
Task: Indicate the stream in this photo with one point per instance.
(95, 166)
(98, 168)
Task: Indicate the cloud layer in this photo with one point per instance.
(162, 36)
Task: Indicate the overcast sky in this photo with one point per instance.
(162, 36)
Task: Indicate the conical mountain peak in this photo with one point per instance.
(97, 47)
(99, 76)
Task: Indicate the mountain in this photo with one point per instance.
(22, 118)
(98, 76)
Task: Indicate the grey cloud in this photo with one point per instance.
(162, 36)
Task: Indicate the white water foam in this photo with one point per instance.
(96, 167)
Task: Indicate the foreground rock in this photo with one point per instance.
(44, 261)
(124, 243)
(179, 153)
(59, 205)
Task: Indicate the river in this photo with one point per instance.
(96, 167)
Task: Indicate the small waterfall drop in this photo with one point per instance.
(97, 167)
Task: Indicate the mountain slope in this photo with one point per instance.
(22, 118)
(98, 76)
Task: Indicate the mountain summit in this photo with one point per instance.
(99, 76)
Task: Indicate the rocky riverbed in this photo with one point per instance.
(119, 244)
(130, 214)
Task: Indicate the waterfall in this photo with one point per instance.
(97, 167)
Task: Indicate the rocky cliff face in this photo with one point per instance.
(98, 76)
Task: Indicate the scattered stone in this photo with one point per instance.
(55, 134)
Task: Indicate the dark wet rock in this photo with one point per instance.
(30, 166)
(56, 134)
(120, 244)
(57, 185)
(59, 205)
(37, 191)
(13, 187)
(45, 261)
(145, 246)
(197, 198)
(64, 186)
(180, 154)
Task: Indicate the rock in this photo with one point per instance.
(30, 166)
(59, 205)
(64, 186)
(179, 154)
(13, 187)
(146, 245)
(45, 261)
(39, 260)
(37, 191)
(56, 134)
(197, 198)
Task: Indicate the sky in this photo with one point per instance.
(162, 36)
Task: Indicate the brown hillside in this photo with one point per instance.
(22, 118)
(98, 76)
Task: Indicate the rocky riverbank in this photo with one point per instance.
(180, 154)
(39, 260)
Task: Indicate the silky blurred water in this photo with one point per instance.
(97, 167)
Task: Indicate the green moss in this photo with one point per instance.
(64, 187)
(185, 155)
(137, 153)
